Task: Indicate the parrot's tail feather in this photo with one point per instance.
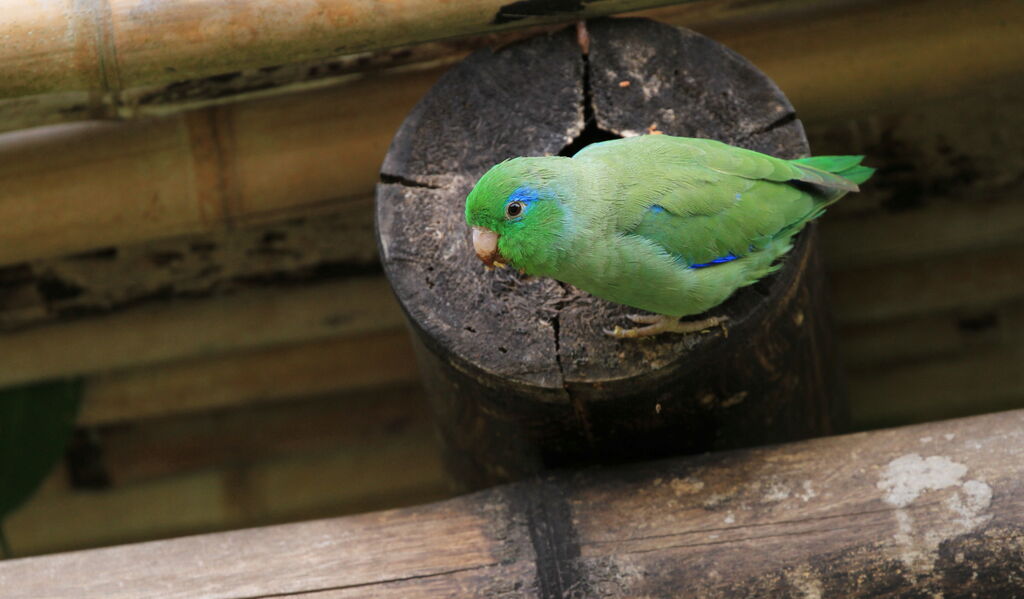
(847, 167)
(858, 174)
(828, 178)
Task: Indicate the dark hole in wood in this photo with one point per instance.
(100, 254)
(84, 459)
(55, 289)
(979, 323)
(165, 258)
(17, 273)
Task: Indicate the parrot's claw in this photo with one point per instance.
(645, 318)
(657, 324)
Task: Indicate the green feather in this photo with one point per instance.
(635, 220)
(847, 167)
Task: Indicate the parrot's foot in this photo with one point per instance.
(657, 324)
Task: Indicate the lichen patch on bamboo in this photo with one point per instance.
(906, 477)
(910, 477)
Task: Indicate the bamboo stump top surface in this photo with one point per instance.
(521, 364)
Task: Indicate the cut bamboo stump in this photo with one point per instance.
(521, 376)
(927, 511)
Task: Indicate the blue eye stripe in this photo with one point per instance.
(520, 200)
(524, 195)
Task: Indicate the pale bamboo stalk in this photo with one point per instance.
(835, 37)
(181, 329)
(22, 112)
(107, 46)
(303, 369)
(74, 188)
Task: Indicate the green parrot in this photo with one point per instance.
(671, 225)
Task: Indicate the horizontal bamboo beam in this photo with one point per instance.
(250, 377)
(882, 346)
(354, 421)
(988, 378)
(926, 510)
(77, 187)
(974, 222)
(321, 242)
(284, 479)
(968, 281)
(832, 26)
(164, 98)
(883, 358)
(195, 341)
(105, 47)
(874, 56)
(165, 332)
(160, 100)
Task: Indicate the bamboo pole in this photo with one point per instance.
(73, 188)
(159, 100)
(171, 331)
(924, 511)
(261, 483)
(302, 369)
(750, 28)
(77, 187)
(107, 46)
(164, 98)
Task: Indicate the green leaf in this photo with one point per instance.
(36, 422)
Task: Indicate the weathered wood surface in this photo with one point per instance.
(520, 371)
(923, 511)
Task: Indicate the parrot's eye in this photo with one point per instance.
(513, 209)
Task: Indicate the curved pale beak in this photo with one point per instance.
(485, 244)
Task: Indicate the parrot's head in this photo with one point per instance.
(519, 214)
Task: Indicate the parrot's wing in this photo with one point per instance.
(708, 202)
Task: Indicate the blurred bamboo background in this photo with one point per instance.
(208, 264)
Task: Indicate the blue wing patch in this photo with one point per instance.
(727, 258)
(661, 226)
